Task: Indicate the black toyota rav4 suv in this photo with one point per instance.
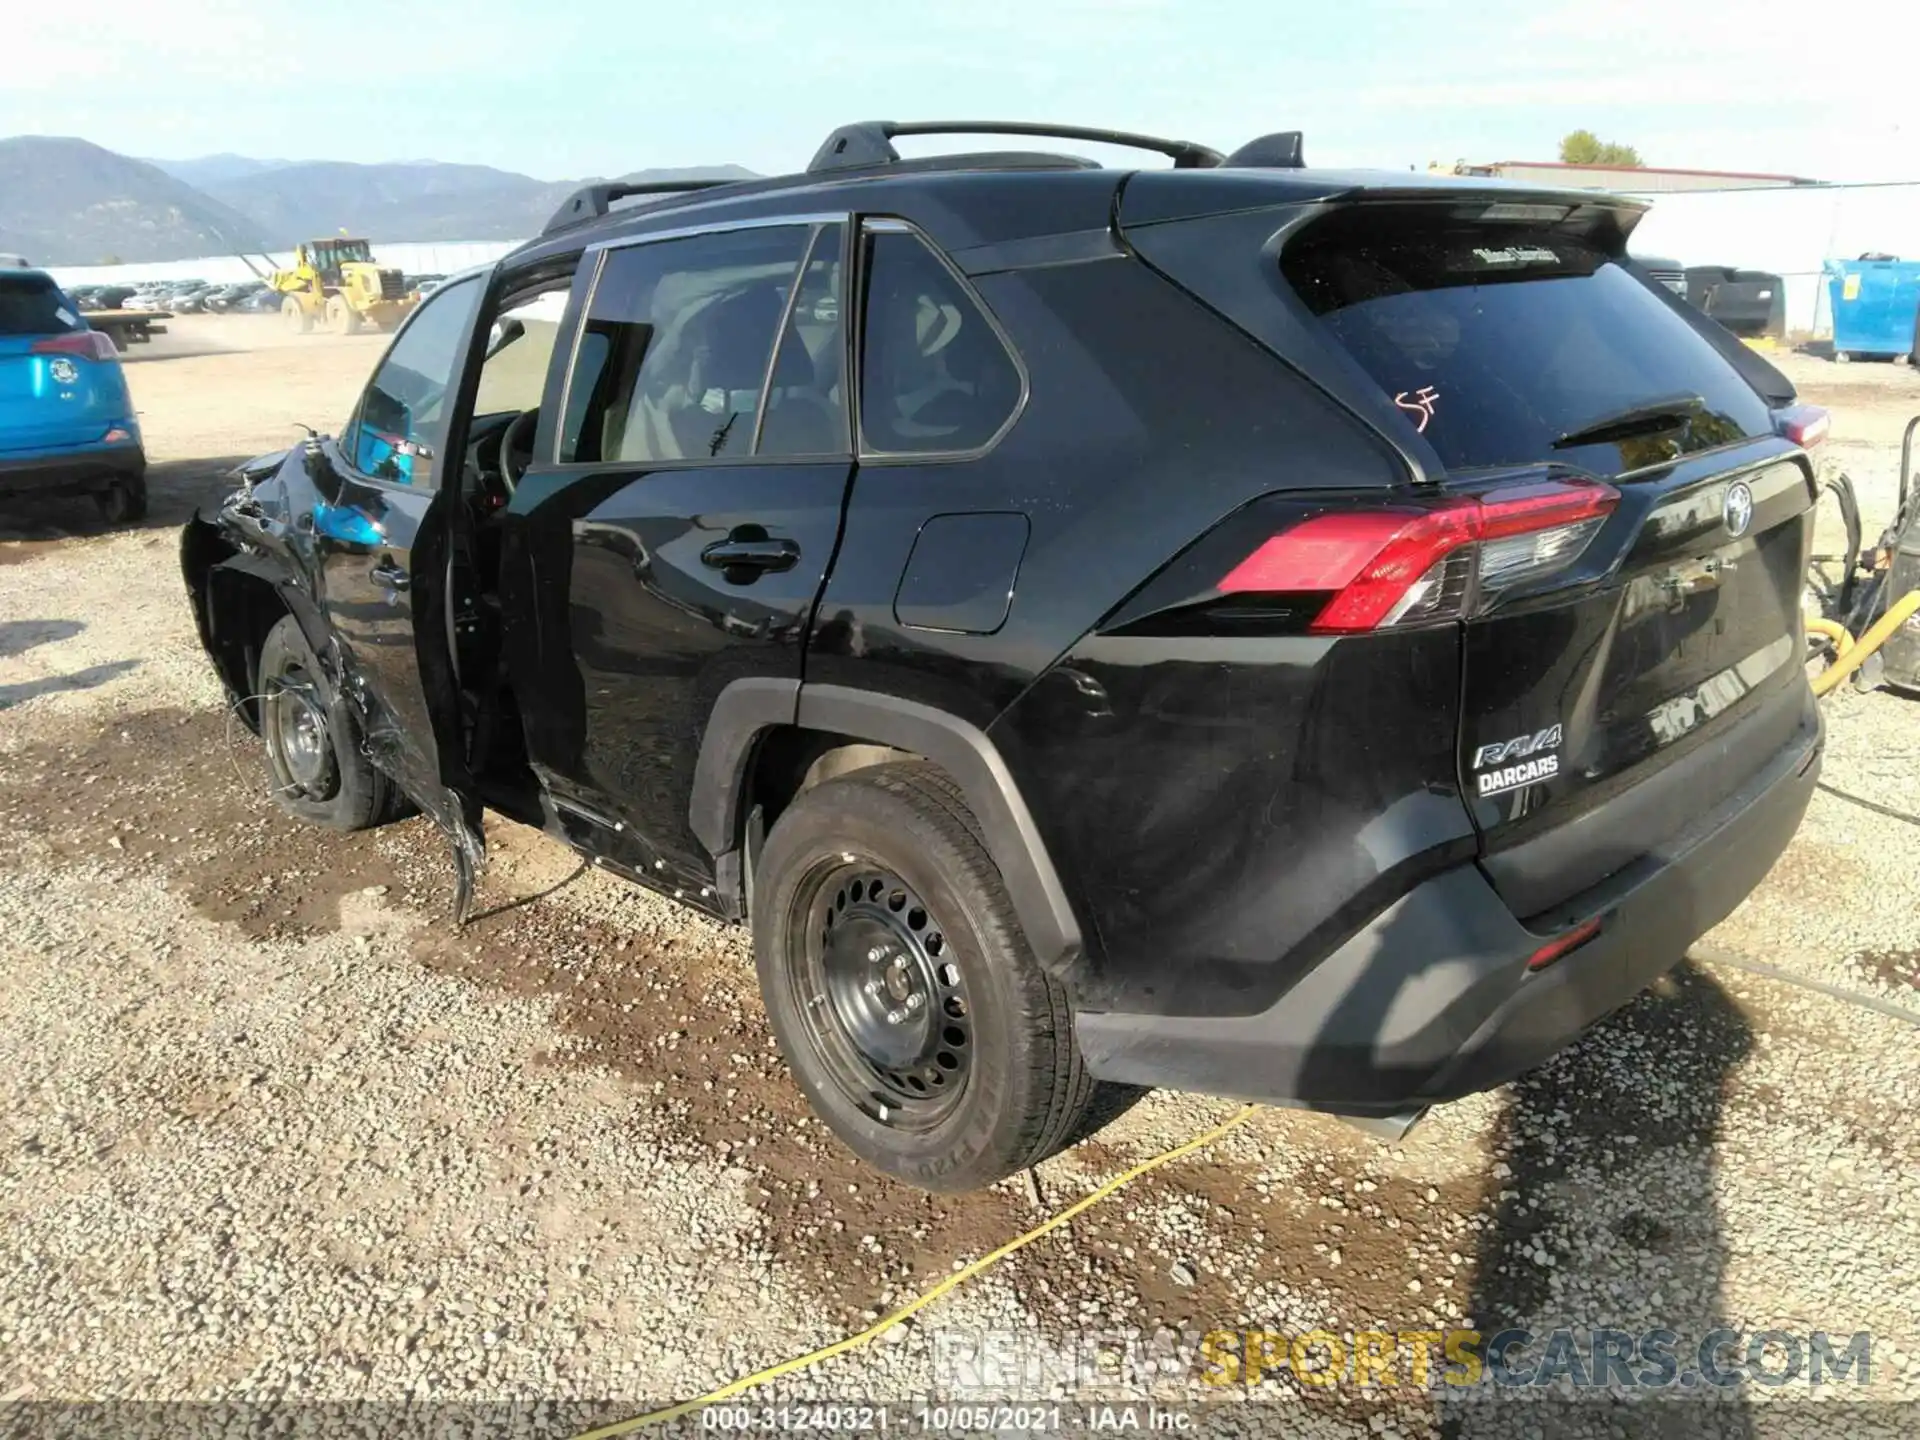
(1311, 636)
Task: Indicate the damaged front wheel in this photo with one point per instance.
(319, 769)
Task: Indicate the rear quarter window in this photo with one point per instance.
(935, 377)
(33, 305)
(1494, 340)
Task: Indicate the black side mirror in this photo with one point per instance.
(505, 332)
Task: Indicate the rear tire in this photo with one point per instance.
(124, 502)
(902, 990)
(296, 316)
(315, 761)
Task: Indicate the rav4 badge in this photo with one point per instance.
(1534, 765)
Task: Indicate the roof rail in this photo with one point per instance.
(590, 202)
(870, 142)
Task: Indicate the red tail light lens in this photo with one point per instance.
(1395, 567)
(1805, 425)
(1563, 944)
(88, 344)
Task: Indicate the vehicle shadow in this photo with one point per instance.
(1599, 1254)
(19, 636)
(538, 895)
(1605, 1218)
(87, 679)
(175, 489)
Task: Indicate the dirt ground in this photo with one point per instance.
(272, 1128)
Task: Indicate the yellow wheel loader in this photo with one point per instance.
(334, 283)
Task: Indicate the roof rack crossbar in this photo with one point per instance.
(870, 142)
(590, 202)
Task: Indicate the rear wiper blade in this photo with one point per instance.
(1645, 419)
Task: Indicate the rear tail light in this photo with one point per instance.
(1805, 425)
(88, 344)
(1563, 944)
(1400, 567)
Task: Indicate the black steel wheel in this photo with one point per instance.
(885, 1001)
(293, 721)
(901, 988)
(315, 763)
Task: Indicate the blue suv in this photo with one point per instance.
(66, 420)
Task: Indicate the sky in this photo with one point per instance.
(568, 88)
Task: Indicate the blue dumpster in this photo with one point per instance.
(1875, 304)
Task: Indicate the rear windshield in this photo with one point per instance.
(33, 305)
(1495, 340)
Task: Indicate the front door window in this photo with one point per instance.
(398, 428)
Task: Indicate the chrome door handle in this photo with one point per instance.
(765, 554)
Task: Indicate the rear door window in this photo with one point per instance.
(1498, 342)
(806, 402)
(33, 305)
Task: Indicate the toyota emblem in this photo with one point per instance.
(1738, 509)
(64, 371)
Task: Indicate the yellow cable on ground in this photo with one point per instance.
(926, 1297)
(1848, 656)
(1852, 658)
(1842, 637)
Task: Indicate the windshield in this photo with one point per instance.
(514, 374)
(1496, 340)
(33, 305)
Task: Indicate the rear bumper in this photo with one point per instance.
(1432, 999)
(66, 472)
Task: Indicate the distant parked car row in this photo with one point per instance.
(194, 297)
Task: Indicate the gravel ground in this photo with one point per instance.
(272, 1129)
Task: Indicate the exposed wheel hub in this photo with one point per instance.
(297, 737)
(888, 1002)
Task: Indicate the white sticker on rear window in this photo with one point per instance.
(1517, 255)
(66, 317)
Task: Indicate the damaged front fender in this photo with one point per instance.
(294, 539)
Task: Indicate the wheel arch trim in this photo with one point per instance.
(748, 707)
(220, 611)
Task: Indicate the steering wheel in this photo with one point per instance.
(519, 429)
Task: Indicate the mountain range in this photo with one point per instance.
(70, 202)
